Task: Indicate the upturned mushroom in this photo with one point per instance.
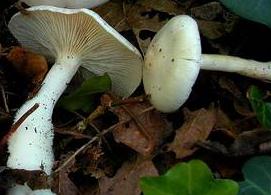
(173, 60)
(71, 39)
(66, 3)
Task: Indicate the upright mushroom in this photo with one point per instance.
(66, 3)
(173, 59)
(172, 63)
(71, 38)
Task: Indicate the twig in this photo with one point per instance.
(79, 135)
(4, 98)
(96, 138)
(103, 138)
(16, 125)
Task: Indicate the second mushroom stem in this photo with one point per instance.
(250, 68)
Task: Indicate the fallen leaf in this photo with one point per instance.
(211, 29)
(170, 6)
(223, 122)
(146, 17)
(29, 64)
(93, 162)
(62, 184)
(145, 132)
(196, 128)
(246, 143)
(208, 11)
(250, 142)
(112, 13)
(126, 180)
(240, 102)
(144, 27)
(65, 185)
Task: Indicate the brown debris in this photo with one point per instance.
(246, 143)
(29, 64)
(197, 127)
(143, 133)
(126, 180)
(62, 184)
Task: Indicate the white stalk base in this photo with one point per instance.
(26, 190)
(30, 146)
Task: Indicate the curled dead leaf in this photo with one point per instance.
(208, 11)
(29, 64)
(145, 132)
(112, 12)
(126, 180)
(197, 127)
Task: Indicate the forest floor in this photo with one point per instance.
(122, 143)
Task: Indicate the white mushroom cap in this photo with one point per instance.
(57, 33)
(172, 63)
(66, 3)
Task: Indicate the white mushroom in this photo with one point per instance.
(71, 38)
(173, 59)
(172, 63)
(66, 3)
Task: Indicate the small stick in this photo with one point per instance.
(15, 126)
(96, 138)
(103, 138)
(4, 98)
(72, 133)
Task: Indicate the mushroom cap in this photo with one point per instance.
(66, 3)
(82, 35)
(172, 63)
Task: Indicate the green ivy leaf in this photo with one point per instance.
(255, 10)
(192, 178)
(260, 107)
(83, 97)
(257, 173)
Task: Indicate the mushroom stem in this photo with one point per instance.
(250, 68)
(30, 146)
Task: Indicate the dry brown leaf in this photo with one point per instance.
(211, 29)
(62, 183)
(126, 180)
(208, 11)
(146, 17)
(140, 22)
(94, 162)
(65, 185)
(224, 122)
(196, 128)
(112, 12)
(169, 6)
(145, 132)
(240, 102)
(247, 143)
(29, 64)
(206, 18)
